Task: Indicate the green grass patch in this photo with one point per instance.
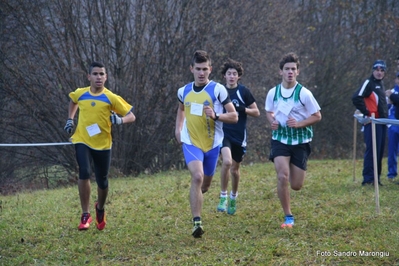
(149, 223)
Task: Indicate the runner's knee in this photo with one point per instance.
(84, 173)
(102, 182)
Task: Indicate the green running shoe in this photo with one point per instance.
(232, 206)
(222, 207)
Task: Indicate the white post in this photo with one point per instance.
(376, 184)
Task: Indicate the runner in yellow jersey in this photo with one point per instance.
(98, 110)
(199, 128)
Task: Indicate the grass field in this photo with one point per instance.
(149, 223)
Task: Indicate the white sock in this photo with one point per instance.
(233, 196)
(223, 194)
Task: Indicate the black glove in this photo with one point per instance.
(69, 126)
(240, 108)
(115, 119)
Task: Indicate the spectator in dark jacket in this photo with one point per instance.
(370, 99)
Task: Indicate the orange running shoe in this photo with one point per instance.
(100, 218)
(85, 221)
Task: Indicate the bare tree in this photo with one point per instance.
(46, 47)
(344, 39)
(146, 46)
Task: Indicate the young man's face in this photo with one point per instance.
(231, 77)
(289, 73)
(97, 77)
(201, 72)
(379, 73)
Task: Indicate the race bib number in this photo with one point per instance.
(196, 109)
(93, 130)
(284, 108)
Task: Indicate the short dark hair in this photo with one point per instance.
(200, 56)
(95, 64)
(289, 58)
(230, 63)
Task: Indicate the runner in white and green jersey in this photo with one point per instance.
(292, 100)
(291, 110)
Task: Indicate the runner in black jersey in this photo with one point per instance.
(235, 135)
